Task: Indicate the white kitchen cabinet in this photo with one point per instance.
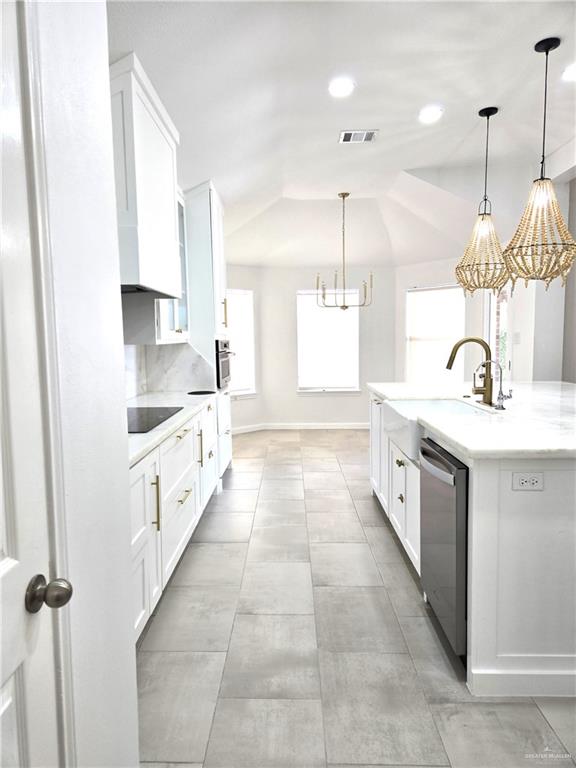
(397, 491)
(148, 320)
(145, 141)
(145, 539)
(208, 458)
(375, 432)
(224, 420)
(206, 268)
(180, 485)
(384, 489)
(412, 515)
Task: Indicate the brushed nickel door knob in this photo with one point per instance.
(54, 594)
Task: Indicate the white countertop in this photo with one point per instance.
(539, 421)
(139, 445)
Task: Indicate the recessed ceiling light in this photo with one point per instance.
(430, 114)
(341, 87)
(569, 74)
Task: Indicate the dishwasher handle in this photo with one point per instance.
(429, 461)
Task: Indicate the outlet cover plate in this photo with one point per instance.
(527, 481)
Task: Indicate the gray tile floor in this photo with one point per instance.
(293, 635)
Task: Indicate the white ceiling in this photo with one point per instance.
(246, 85)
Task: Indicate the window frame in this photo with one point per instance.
(240, 394)
(354, 293)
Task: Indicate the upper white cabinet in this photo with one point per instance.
(148, 320)
(145, 142)
(206, 268)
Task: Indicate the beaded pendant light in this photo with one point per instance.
(542, 247)
(482, 265)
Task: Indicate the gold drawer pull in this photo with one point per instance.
(401, 498)
(182, 434)
(184, 498)
(156, 483)
(201, 436)
(399, 463)
(225, 304)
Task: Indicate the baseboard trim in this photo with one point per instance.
(303, 425)
(518, 683)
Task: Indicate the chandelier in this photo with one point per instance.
(542, 247)
(482, 265)
(337, 297)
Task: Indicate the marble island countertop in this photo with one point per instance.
(539, 420)
(139, 445)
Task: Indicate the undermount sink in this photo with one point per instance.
(400, 419)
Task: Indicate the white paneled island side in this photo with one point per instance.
(521, 532)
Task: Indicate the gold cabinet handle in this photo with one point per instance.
(201, 436)
(225, 302)
(184, 498)
(156, 483)
(399, 463)
(401, 498)
(210, 454)
(182, 434)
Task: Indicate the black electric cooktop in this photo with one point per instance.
(145, 419)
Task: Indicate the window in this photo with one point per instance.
(241, 335)
(435, 320)
(328, 344)
(499, 323)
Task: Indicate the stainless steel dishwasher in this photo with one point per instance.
(443, 532)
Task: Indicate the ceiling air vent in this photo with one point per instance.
(357, 137)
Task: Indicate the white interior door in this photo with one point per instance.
(29, 696)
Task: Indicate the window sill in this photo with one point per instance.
(243, 395)
(328, 391)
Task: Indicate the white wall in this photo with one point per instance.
(569, 354)
(73, 80)
(278, 401)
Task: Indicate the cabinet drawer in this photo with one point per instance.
(180, 514)
(177, 455)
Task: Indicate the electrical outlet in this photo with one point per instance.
(527, 481)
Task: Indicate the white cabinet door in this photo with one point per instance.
(172, 323)
(145, 541)
(224, 416)
(412, 531)
(397, 490)
(375, 429)
(385, 471)
(218, 263)
(145, 142)
(208, 445)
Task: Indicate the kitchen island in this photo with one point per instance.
(521, 557)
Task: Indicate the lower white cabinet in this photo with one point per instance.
(208, 458)
(397, 511)
(146, 541)
(395, 480)
(169, 490)
(375, 443)
(224, 418)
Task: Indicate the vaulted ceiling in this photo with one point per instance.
(246, 85)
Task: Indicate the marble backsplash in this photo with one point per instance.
(166, 368)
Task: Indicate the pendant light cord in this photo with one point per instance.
(485, 198)
(344, 247)
(543, 160)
